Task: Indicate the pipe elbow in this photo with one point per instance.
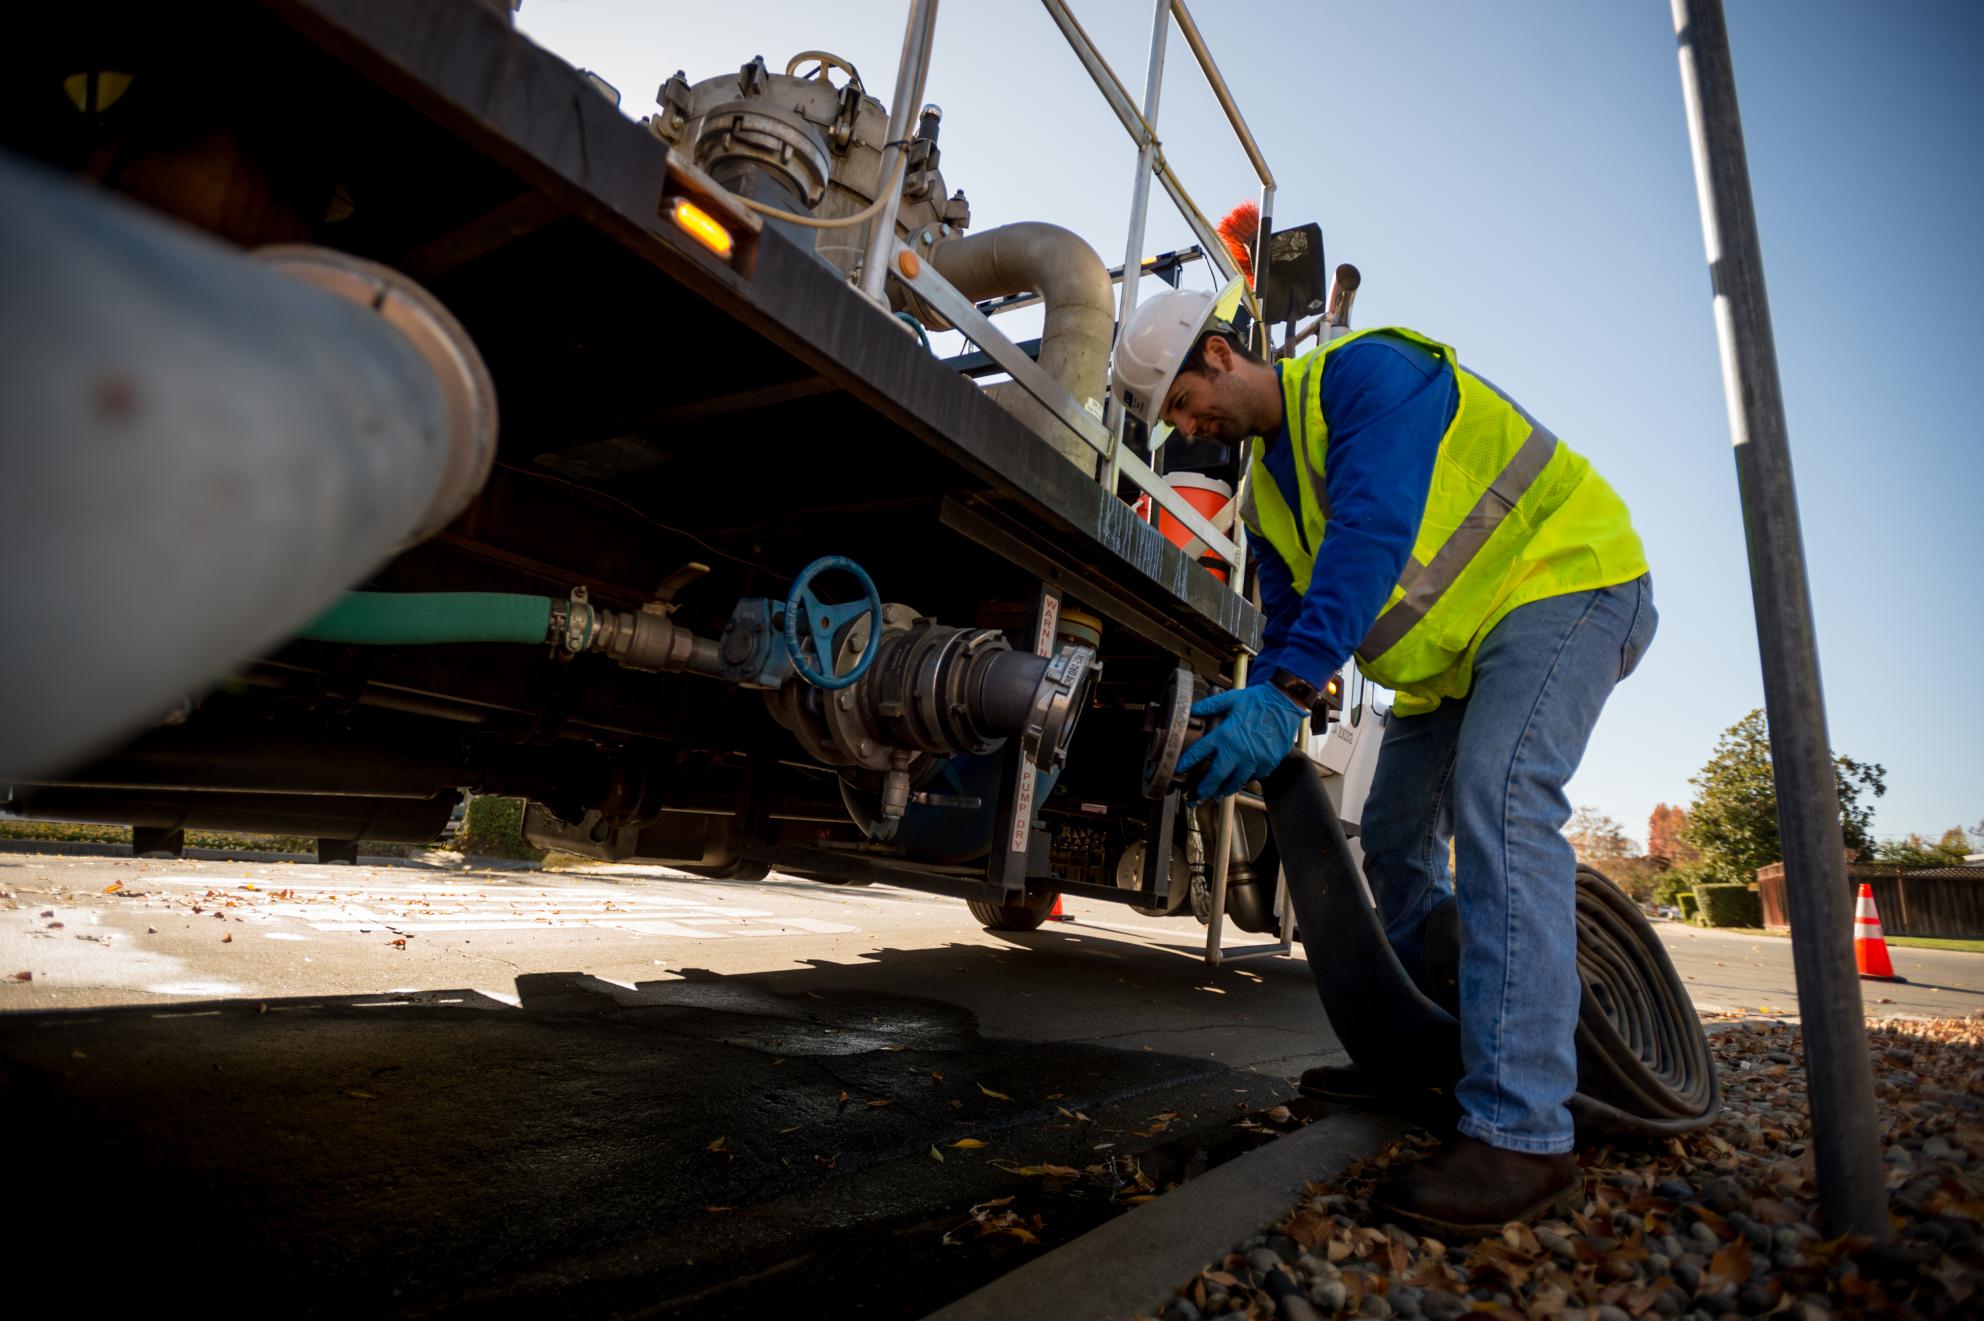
(1029, 256)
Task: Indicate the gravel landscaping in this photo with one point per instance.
(1720, 1223)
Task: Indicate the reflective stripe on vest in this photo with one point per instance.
(1425, 584)
(1470, 562)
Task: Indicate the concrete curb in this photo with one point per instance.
(1129, 1266)
(89, 849)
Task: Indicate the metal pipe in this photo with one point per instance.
(201, 452)
(1217, 80)
(1133, 247)
(910, 74)
(1838, 1072)
(1079, 326)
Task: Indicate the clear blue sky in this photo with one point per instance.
(1513, 178)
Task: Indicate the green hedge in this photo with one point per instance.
(494, 828)
(1689, 905)
(1730, 905)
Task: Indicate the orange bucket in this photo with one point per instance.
(1209, 496)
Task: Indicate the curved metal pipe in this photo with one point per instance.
(1034, 257)
(201, 451)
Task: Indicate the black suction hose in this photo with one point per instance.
(1643, 1061)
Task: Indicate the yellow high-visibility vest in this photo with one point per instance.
(1513, 515)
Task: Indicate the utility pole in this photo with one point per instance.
(1839, 1075)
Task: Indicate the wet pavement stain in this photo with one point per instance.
(693, 1147)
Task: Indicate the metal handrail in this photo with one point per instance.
(918, 37)
(976, 326)
(963, 315)
(1141, 132)
(1190, 29)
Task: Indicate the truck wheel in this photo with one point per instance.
(1026, 916)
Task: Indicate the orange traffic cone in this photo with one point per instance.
(1870, 948)
(1056, 915)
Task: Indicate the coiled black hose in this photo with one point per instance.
(1643, 1060)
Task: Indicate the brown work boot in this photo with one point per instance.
(1346, 1084)
(1469, 1189)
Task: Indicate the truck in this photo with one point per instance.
(408, 421)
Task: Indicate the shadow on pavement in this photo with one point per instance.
(704, 1146)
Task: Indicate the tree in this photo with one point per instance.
(1733, 819)
(1597, 839)
(1915, 851)
(1667, 836)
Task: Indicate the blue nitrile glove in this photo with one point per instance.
(1257, 732)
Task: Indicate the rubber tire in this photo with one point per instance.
(1025, 916)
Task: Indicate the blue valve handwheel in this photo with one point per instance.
(824, 620)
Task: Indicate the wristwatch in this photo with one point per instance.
(1299, 690)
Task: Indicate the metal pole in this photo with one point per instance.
(910, 73)
(1839, 1075)
(1133, 255)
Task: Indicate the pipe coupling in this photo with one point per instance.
(466, 386)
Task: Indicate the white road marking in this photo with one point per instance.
(366, 904)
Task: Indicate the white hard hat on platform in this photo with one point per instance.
(1155, 340)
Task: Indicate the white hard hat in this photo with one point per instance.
(1155, 340)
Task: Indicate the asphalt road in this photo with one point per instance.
(433, 1092)
(1730, 972)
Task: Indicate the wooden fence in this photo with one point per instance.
(1926, 901)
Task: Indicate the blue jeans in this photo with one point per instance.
(1488, 772)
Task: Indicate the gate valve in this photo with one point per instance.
(822, 622)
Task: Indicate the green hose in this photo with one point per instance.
(415, 618)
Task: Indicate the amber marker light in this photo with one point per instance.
(701, 226)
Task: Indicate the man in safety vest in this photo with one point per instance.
(1403, 510)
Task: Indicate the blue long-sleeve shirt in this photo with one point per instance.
(1387, 402)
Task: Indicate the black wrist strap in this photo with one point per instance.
(1303, 693)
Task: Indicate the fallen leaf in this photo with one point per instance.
(1054, 1096)
(842, 1099)
(783, 1131)
(967, 1144)
(228, 939)
(398, 944)
(361, 1095)
(894, 1048)
(721, 1144)
(997, 1096)
(1060, 1171)
(936, 1154)
(113, 887)
(880, 1101)
(1166, 1117)
(718, 1210)
(1729, 1267)
(21, 977)
(987, 1206)
(1279, 1115)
